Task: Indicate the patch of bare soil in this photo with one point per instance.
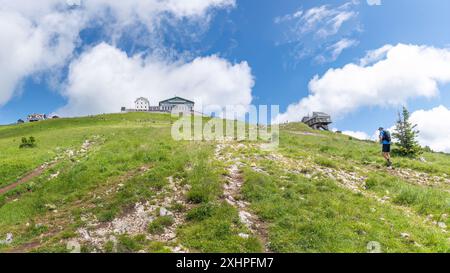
(26, 247)
(35, 173)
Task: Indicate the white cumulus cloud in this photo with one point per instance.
(357, 134)
(105, 78)
(434, 127)
(406, 72)
(27, 47)
(39, 36)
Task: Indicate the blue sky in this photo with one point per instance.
(264, 51)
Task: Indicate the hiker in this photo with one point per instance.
(385, 139)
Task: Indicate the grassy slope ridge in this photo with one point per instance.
(119, 183)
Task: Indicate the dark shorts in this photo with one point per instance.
(386, 148)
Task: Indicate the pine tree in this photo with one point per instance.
(406, 134)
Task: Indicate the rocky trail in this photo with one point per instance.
(136, 221)
(356, 182)
(232, 193)
(353, 181)
(420, 178)
(235, 156)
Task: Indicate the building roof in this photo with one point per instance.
(320, 114)
(142, 98)
(176, 100)
(317, 117)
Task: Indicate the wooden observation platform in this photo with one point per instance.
(318, 121)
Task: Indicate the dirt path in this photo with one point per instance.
(35, 173)
(47, 165)
(233, 196)
(302, 133)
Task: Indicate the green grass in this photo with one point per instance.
(215, 228)
(318, 216)
(423, 199)
(342, 149)
(212, 225)
(303, 215)
(159, 224)
(125, 143)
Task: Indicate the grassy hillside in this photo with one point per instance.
(120, 183)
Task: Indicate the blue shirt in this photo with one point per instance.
(384, 141)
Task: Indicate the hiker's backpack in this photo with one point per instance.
(386, 136)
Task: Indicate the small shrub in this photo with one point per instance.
(198, 195)
(200, 213)
(28, 143)
(408, 196)
(126, 244)
(325, 162)
(107, 215)
(109, 247)
(159, 224)
(177, 207)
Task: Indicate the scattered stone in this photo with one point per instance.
(416, 244)
(241, 146)
(50, 206)
(135, 222)
(405, 235)
(245, 218)
(442, 225)
(8, 240)
(73, 246)
(178, 249)
(55, 175)
(164, 212)
(244, 236)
